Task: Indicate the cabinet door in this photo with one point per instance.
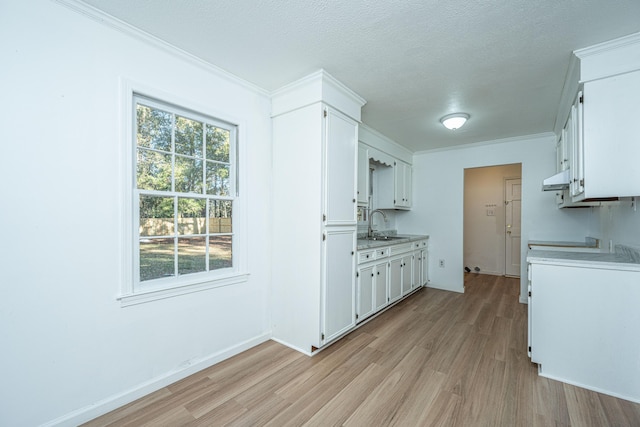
(398, 182)
(562, 154)
(577, 162)
(416, 278)
(365, 292)
(363, 175)
(395, 279)
(611, 143)
(338, 284)
(407, 185)
(529, 309)
(340, 145)
(402, 184)
(380, 297)
(407, 270)
(570, 133)
(424, 267)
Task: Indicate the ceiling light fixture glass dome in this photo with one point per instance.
(454, 121)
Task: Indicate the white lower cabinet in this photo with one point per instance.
(401, 270)
(380, 297)
(371, 289)
(387, 274)
(407, 274)
(583, 325)
(395, 279)
(424, 266)
(365, 289)
(420, 265)
(338, 299)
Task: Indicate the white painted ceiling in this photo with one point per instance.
(502, 61)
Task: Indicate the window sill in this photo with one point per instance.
(148, 295)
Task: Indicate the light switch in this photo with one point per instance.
(491, 212)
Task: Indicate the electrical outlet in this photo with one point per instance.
(441, 263)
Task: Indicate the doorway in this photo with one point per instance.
(492, 215)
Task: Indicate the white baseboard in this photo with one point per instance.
(445, 288)
(487, 273)
(90, 412)
(588, 387)
(293, 347)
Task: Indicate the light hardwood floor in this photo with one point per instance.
(436, 359)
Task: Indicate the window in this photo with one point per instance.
(184, 195)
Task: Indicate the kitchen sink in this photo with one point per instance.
(385, 238)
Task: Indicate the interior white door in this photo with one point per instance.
(512, 200)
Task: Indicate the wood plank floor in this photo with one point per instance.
(436, 359)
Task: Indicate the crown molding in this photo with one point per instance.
(603, 47)
(373, 138)
(318, 86)
(544, 135)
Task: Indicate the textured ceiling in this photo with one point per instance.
(503, 62)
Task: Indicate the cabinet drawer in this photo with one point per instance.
(382, 253)
(366, 256)
(400, 249)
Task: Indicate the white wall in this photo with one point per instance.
(69, 350)
(438, 202)
(484, 234)
(620, 223)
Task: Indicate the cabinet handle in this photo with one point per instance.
(354, 200)
(378, 273)
(371, 274)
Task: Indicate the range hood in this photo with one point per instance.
(559, 181)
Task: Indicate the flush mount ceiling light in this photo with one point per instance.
(454, 121)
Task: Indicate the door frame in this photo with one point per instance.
(506, 234)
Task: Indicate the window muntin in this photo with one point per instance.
(184, 192)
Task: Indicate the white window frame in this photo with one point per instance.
(132, 290)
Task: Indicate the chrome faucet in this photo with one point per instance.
(370, 229)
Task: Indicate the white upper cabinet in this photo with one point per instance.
(402, 185)
(392, 185)
(599, 105)
(363, 175)
(610, 146)
(340, 168)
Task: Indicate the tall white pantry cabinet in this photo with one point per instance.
(315, 138)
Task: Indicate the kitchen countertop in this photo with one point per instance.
(403, 238)
(589, 243)
(624, 258)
